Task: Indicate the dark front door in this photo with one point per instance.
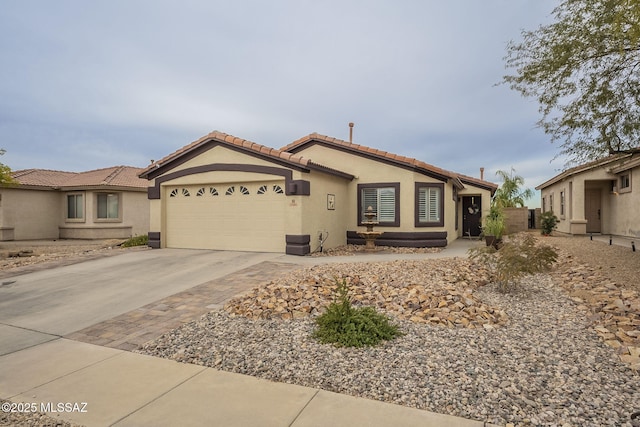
(471, 215)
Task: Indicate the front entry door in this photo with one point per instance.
(471, 215)
(593, 210)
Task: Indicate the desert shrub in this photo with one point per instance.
(519, 256)
(347, 326)
(548, 222)
(136, 241)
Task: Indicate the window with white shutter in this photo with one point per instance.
(429, 205)
(383, 199)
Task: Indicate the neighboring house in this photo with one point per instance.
(597, 197)
(223, 192)
(99, 204)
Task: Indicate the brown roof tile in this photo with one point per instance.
(42, 177)
(228, 139)
(387, 156)
(116, 176)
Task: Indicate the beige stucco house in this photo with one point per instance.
(224, 192)
(99, 204)
(597, 197)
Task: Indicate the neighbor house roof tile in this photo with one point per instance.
(116, 176)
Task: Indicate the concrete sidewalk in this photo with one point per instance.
(104, 387)
(128, 389)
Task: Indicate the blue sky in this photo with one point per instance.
(86, 85)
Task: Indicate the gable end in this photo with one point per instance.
(212, 143)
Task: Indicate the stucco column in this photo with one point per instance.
(578, 222)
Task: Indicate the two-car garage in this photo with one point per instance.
(241, 216)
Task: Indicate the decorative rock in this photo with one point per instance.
(545, 366)
(435, 291)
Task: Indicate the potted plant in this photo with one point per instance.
(494, 226)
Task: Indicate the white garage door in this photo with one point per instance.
(236, 216)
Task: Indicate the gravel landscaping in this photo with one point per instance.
(19, 256)
(544, 362)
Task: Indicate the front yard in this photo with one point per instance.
(558, 350)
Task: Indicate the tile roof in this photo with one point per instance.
(384, 155)
(284, 154)
(42, 177)
(116, 176)
(231, 140)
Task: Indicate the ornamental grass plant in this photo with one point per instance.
(346, 326)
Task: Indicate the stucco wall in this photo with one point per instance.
(625, 209)
(136, 212)
(32, 214)
(318, 218)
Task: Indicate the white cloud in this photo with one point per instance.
(121, 82)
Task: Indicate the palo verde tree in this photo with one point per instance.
(510, 194)
(584, 71)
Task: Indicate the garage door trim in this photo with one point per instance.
(154, 192)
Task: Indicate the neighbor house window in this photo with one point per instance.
(625, 182)
(75, 206)
(551, 202)
(108, 206)
(385, 201)
(429, 205)
(562, 203)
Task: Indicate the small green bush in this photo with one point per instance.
(141, 240)
(548, 222)
(347, 326)
(518, 257)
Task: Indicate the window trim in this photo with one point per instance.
(418, 187)
(396, 187)
(96, 209)
(626, 189)
(84, 206)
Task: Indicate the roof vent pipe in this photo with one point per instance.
(350, 132)
(482, 174)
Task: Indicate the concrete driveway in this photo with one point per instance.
(45, 305)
